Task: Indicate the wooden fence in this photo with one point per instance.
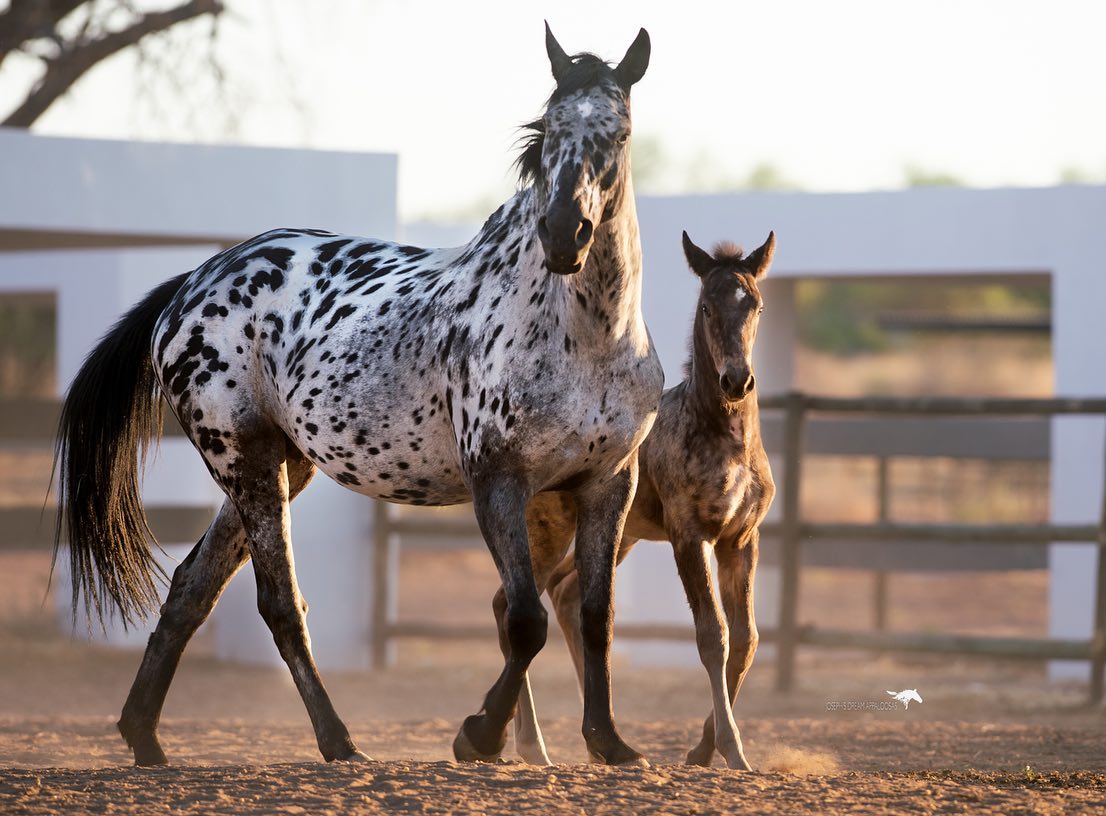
(30, 425)
(797, 425)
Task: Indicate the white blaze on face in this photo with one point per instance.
(739, 294)
(585, 108)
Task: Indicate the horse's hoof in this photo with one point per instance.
(357, 756)
(626, 759)
(146, 747)
(700, 755)
(465, 751)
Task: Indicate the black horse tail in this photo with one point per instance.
(111, 413)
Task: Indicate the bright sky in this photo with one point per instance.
(840, 95)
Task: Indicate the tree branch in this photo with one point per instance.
(63, 71)
(25, 20)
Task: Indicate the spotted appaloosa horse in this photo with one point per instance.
(705, 483)
(514, 365)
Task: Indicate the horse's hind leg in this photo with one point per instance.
(259, 482)
(197, 583)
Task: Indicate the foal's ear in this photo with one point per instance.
(559, 61)
(700, 261)
(761, 258)
(633, 65)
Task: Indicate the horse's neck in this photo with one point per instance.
(601, 303)
(610, 282)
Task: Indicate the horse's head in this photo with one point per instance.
(578, 154)
(729, 310)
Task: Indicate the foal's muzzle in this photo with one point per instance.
(736, 383)
(566, 238)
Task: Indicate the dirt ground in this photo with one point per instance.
(990, 737)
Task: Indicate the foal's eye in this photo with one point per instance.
(760, 310)
(623, 138)
(706, 310)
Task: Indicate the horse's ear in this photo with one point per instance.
(700, 261)
(559, 61)
(633, 65)
(761, 258)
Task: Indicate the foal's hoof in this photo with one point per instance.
(532, 753)
(700, 755)
(465, 751)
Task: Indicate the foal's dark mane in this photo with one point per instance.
(587, 71)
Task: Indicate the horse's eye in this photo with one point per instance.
(760, 310)
(706, 310)
(623, 138)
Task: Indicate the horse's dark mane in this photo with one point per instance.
(587, 71)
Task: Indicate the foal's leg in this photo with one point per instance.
(602, 512)
(737, 566)
(550, 524)
(500, 504)
(737, 571)
(197, 583)
(261, 495)
(712, 638)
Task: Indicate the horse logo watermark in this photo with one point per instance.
(905, 696)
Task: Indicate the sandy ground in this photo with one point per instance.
(990, 737)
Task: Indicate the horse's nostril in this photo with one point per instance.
(726, 383)
(583, 233)
(543, 229)
(750, 384)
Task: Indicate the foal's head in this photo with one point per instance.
(728, 311)
(578, 153)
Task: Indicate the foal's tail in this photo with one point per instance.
(111, 412)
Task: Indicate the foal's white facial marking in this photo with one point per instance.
(739, 294)
(585, 108)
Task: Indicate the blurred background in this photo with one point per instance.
(907, 154)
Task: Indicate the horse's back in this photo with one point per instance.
(295, 330)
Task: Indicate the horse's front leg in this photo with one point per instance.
(601, 516)
(712, 638)
(550, 525)
(500, 504)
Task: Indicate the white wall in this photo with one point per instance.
(107, 192)
(219, 192)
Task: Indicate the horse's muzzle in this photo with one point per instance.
(566, 238)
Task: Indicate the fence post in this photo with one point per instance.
(883, 499)
(1098, 625)
(381, 577)
(791, 530)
